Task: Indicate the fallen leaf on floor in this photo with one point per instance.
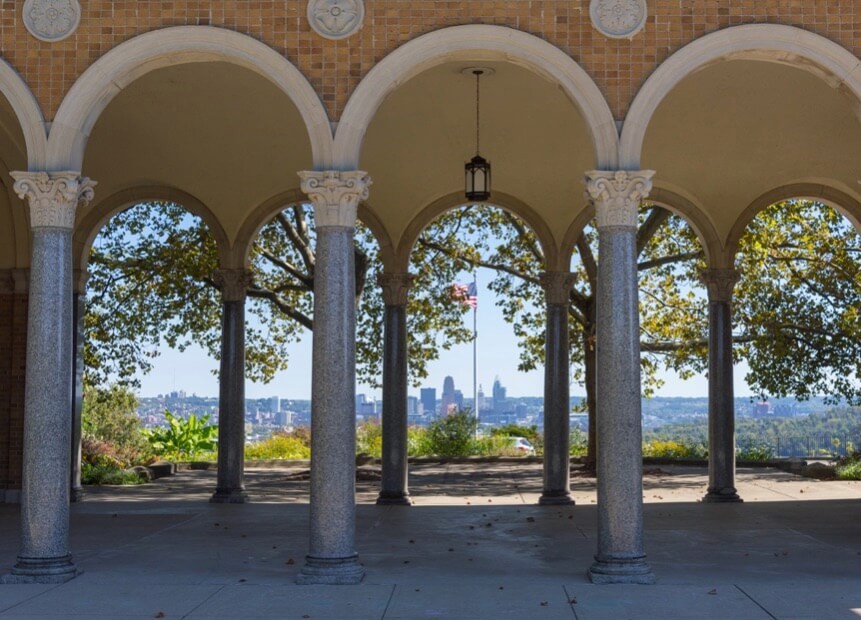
(544, 603)
(290, 561)
(712, 591)
(159, 615)
(530, 519)
(572, 601)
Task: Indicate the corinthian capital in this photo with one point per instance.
(557, 286)
(719, 283)
(617, 195)
(396, 287)
(233, 283)
(53, 196)
(335, 195)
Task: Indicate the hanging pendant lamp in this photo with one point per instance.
(478, 168)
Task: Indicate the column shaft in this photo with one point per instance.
(721, 403)
(620, 557)
(332, 558)
(52, 199)
(45, 556)
(557, 490)
(230, 487)
(394, 487)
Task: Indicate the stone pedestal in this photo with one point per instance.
(53, 199)
(230, 486)
(720, 283)
(620, 557)
(332, 558)
(394, 486)
(557, 490)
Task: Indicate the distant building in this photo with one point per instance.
(274, 404)
(428, 398)
(412, 405)
(480, 405)
(499, 396)
(448, 396)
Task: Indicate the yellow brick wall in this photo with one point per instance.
(335, 67)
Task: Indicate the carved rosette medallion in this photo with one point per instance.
(617, 195)
(51, 20)
(618, 19)
(335, 19)
(53, 197)
(335, 195)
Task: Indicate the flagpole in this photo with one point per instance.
(475, 351)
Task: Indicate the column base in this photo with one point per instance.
(394, 498)
(726, 495)
(331, 571)
(633, 570)
(42, 570)
(556, 498)
(76, 494)
(229, 496)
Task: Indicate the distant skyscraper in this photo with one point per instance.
(458, 399)
(428, 396)
(448, 396)
(498, 395)
(479, 406)
(274, 404)
(412, 405)
(360, 401)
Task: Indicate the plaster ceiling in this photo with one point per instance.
(214, 130)
(738, 129)
(424, 131)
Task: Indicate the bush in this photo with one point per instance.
(578, 442)
(849, 467)
(417, 441)
(108, 474)
(369, 439)
(183, 438)
(278, 446)
(110, 425)
(674, 449)
(760, 452)
(453, 435)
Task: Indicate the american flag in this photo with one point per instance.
(467, 294)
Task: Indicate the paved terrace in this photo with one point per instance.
(474, 546)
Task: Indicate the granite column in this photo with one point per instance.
(332, 558)
(557, 490)
(620, 557)
(394, 486)
(230, 486)
(720, 284)
(53, 199)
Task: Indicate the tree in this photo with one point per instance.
(151, 282)
(796, 307)
(110, 424)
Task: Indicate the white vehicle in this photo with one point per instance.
(522, 446)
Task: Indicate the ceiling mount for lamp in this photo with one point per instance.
(477, 170)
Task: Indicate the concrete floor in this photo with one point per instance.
(474, 546)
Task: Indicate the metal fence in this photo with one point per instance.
(804, 446)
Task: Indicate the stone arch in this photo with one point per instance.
(451, 201)
(106, 77)
(844, 203)
(465, 42)
(772, 42)
(28, 112)
(678, 205)
(264, 213)
(88, 226)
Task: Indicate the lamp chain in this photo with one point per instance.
(478, 73)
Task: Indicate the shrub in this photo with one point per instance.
(110, 425)
(849, 467)
(369, 439)
(417, 441)
(578, 442)
(183, 438)
(108, 474)
(453, 435)
(674, 449)
(278, 446)
(754, 452)
(529, 432)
